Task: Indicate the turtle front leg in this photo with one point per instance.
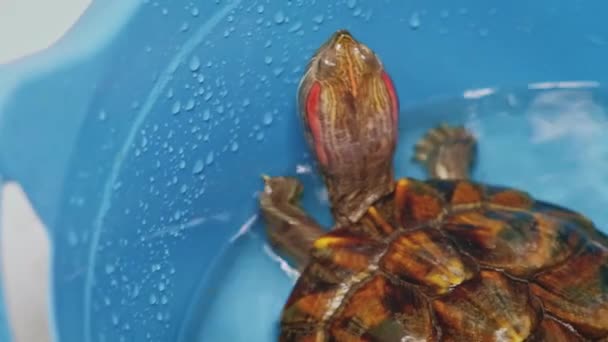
(290, 230)
(447, 152)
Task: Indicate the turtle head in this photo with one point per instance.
(349, 108)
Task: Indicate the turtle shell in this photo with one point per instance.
(454, 261)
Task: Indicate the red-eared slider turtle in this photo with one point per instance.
(445, 258)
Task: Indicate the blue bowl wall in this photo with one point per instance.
(148, 147)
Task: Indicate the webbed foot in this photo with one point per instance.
(290, 229)
(447, 152)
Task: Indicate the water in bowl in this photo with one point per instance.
(547, 138)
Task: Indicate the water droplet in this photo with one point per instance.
(206, 114)
(144, 141)
(114, 319)
(234, 146)
(117, 185)
(194, 12)
(135, 293)
(259, 136)
(170, 93)
(220, 109)
(159, 316)
(296, 26)
(267, 120)
(182, 164)
(279, 17)
(184, 27)
(268, 44)
(161, 286)
(208, 96)
(322, 195)
(109, 268)
(189, 105)
(177, 215)
(483, 32)
(351, 3)
(102, 115)
(278, 71)
(444, 14)
(268, 60)
(165, 11)
(260, 9)
(210, 157)
(318, 19)
(183, 188)
(246, 102)
(201, 79)
(199, 166)
(415, 21)
(106, 301)
(164, 299)
(195, 63)
(176, 108)
(153, 299)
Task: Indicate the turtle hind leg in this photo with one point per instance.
(290, 230)
(447, 152)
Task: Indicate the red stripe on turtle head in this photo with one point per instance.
(313, 102)
(390, 87)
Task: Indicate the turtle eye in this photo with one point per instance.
(393, 96)
(313, 106)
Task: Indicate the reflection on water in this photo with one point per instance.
(548, 139)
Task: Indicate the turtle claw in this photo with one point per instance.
(286, 189)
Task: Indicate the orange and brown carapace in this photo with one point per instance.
(441, 259)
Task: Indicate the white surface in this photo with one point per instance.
(26, 27)
(25, 268)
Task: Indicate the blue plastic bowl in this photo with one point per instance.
(140, 137)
